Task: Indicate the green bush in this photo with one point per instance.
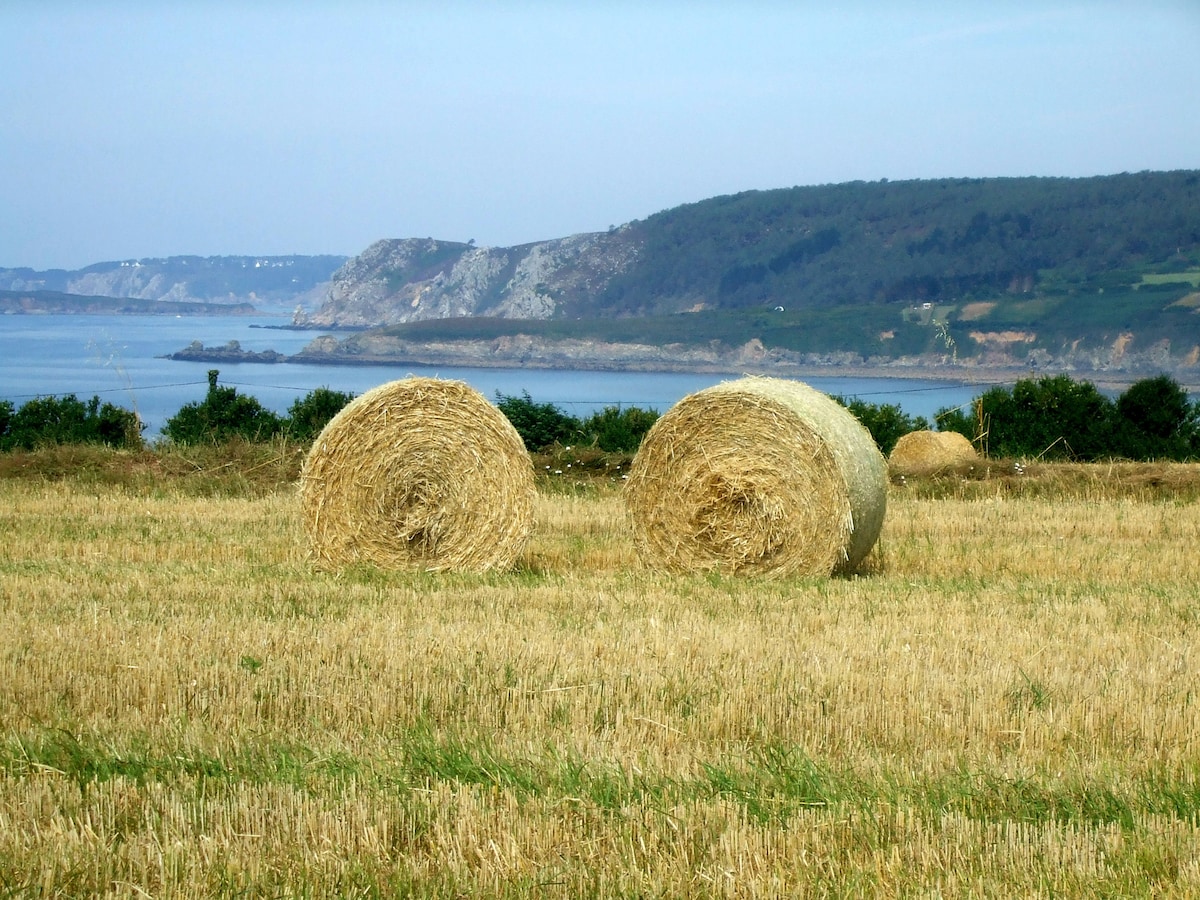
(223, 415)
(887, 422)
(68, 420)
(1052, 417)
(1155, 419)
(956, 418)
(1057, 418)
(308, 415)
(539, 424)
(616, 430)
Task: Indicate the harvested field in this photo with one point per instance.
(1002, 704)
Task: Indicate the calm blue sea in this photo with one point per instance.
(119, 359)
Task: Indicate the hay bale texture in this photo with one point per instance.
(420, 474)
(758, 476)
(930, 452)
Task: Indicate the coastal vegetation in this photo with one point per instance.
(939, 240)
(1101, 272)
(1020, 328)
(1052, 417)
(50, 302)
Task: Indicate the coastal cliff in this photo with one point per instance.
(1092, 273)
(415, 279)
(260, 281)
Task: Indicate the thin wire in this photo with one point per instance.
(299, 390)
(120, 390)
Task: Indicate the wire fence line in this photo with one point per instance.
(304, 390)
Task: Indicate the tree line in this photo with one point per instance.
(225, 414)
(1059, 418)
(865, 243)
(1051, 418)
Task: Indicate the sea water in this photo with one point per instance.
(121, 359)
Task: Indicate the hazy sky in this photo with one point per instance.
(135, 129)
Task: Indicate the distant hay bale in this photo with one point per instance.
(930, 452)
(421, 474)
(758, 476)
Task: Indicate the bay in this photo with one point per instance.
(120, 359)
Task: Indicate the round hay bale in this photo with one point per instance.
(422, 474)
(930, 452)
(758, 476)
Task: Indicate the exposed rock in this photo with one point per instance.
(141, 282)
(262, 280)
(409, 280)
(231, 352)
(374, 348)
(43, 302)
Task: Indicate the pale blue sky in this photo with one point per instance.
(135, 129)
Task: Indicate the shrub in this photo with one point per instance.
(955, 418)
(538, 424)
(68, 420)
(1057, 418)
(1155, 419)
(308, 415)
(222, 415)
(887, 423)
(616, 430)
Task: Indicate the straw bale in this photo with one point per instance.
(930, 452)
(758, 476)
(420, 474)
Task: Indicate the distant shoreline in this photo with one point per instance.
(983, 376)
(18, 303)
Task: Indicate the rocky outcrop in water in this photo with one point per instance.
(230, 352)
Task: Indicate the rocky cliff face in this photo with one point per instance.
(142, 283)
(396, 281)
(280, 280)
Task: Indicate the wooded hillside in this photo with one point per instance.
(911, 241)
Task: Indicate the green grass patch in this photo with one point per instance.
(773, 783)
(1191, 276)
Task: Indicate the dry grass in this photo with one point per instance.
(1004, 705)
(233, 468)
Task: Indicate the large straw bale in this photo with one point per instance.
(757, 476)
(420, 473)
(930, 452)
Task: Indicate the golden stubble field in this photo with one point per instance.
(1004, 703)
